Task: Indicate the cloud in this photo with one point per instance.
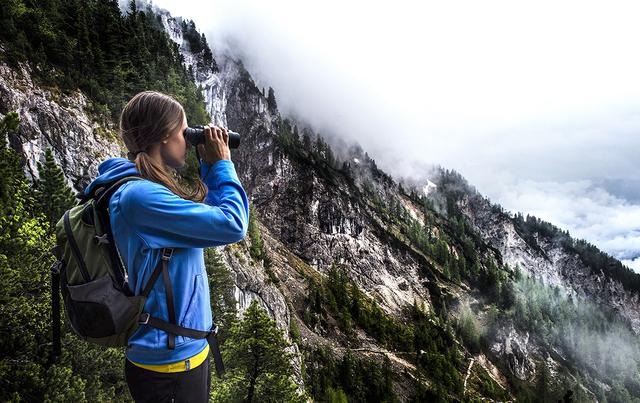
(537, 103)
(633, 264)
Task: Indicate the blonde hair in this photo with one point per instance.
(149, 118)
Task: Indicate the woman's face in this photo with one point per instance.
(174, 148)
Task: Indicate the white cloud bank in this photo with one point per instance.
(537, 103)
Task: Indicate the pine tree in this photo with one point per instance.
(337, 284)
(329, 156)
(9, 124)
(306, 140)
(209, 63)
(83, 54)
(543, 384)
(271, 101)
(356, 302)
(134, 65)
(108, 26)
(16, 197)
(53, 194)
(257, 246)
(258, 367)
(441, 252)
(223, 302)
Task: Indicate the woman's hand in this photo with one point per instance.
(216, 145)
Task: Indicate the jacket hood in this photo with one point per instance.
(110, 170)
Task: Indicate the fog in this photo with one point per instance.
(535, 103)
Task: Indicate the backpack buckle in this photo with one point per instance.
(55, 268)
(101, 239)
(144, 318)
(167, 253)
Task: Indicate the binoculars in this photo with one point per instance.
(195, 136)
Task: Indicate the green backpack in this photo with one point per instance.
(98, 302)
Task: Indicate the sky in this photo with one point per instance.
(536, 103)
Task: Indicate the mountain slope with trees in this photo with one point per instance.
(351, 285)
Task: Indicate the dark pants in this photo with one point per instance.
(191, 386)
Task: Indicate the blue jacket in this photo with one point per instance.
(146, 217)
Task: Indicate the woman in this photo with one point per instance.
(149, 215)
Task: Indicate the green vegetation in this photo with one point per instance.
(223, 302)
(294, 331)
(455, 188)
(28, 372)
(198, 46)
(595, 340)
(452, 244)
(308, 152)
(443, 235)
(110, 57)
(53, 195)
(254, 350)
(437, 355)
(257, 366)
(257, 246)
(422, 340)
(593, 334)
(347, 379)
(257, 249)
(340, 296)
(271, 101)
(90, 45)
(469, 329)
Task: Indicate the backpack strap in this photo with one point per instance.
(152, 280)
(212, 339)
(166, 255)
(171, 328)
(102, 195)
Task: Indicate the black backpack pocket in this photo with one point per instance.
(97, 309)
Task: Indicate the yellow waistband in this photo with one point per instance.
(180, 366)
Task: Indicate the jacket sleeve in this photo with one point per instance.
(165, 220)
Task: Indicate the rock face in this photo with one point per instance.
(211, 84)
(323, 223)
(62, 122)
(516, 352)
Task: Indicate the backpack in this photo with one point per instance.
(98, 302)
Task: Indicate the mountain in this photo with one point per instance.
(386, 288)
